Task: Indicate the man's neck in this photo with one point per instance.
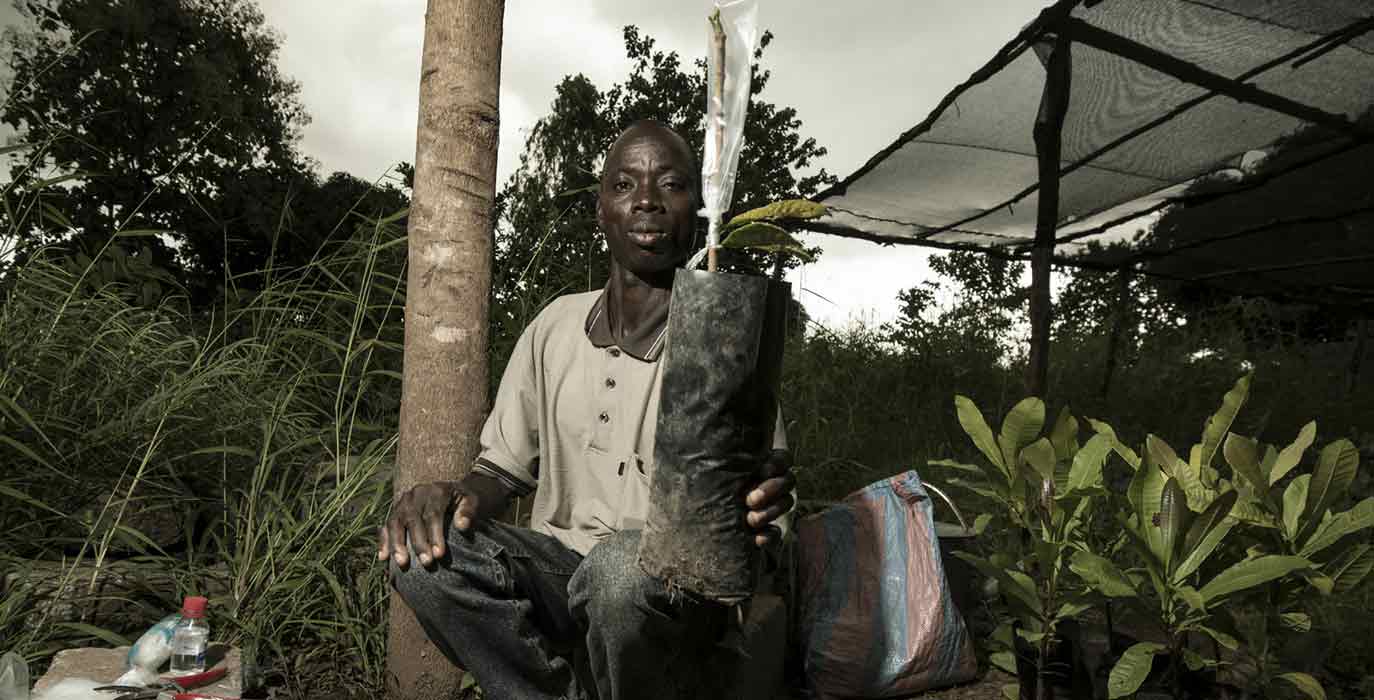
(633, 301)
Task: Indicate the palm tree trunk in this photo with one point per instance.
(444, 382)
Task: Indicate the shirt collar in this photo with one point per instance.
(646, 345)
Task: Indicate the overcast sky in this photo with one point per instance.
(859, 73)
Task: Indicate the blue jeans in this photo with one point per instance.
(534, 620)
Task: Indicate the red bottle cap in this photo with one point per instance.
(193, 607)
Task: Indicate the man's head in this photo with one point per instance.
(648, 199)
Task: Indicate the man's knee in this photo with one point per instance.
(610, 588)
(470, 560)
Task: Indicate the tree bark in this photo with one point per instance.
(444, 380)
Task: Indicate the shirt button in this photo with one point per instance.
(610, 383)
(604, 417)
(615, 352)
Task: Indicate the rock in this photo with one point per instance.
(105, 665)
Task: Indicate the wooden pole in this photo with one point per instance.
(444, 379)
(1049, 123)
(1124, 307)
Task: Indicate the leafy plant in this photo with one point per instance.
(1298, 520)
(762, 228)
(1044, 487)
(1178, 515)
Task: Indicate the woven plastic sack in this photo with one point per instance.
(875, 616)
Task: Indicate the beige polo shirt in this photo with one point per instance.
(574, 423)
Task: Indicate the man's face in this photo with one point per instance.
(647, 203)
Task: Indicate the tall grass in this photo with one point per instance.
(264, 429)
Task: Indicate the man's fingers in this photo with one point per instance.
(466, 513)
(383, 547)
(418, 529)
(768, 537)
(396, 538)
(761, 518)
(770, 490)
(435, 522)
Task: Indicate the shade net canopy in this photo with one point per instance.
(1174, 107)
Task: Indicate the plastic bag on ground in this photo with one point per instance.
(876, 618)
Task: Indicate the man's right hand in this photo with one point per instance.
(420, 515)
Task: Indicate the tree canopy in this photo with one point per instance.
(167, 116)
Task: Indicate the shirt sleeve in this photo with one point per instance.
(509, 443)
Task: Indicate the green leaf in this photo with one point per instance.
(1199, 494)
(1250, 510)
(1073, 609)
(1127, 454)
(1251, 573)
(1206, 533)
(980, 523)
(1192, 598)
(952, 464)
(1086, 472)
(1004, 660)
(1150, 493)
(1193, 660)
(785, 210)
(1064, 435)
(1014, 584)
(766, 237)
(1101, 575)
(1294, 501)
(1242, 453)
(1211, 538)
(1174, 519)
(1336, 467)
(1164, 456)
(1340, 526)
(1130, 671)
(1296, 621)
(1011, 691)
(1306, 684)
(1040, 455)
(971, 420)
(1323, 583)
(1220, 422)
(1290, 456)
(1020, 428)
(1351, 568)
(1222, 638)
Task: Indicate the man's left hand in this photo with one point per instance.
(771, 498)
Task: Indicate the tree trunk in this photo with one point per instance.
(444, 382)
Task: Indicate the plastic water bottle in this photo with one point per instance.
(190, 637)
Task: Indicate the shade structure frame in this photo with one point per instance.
(1345, 24)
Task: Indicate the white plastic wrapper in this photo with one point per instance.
(726, 110)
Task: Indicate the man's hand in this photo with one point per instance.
(771, 498)
(421, 512)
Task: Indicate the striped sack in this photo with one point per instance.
(875, 616)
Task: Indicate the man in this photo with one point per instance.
(533, 612)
